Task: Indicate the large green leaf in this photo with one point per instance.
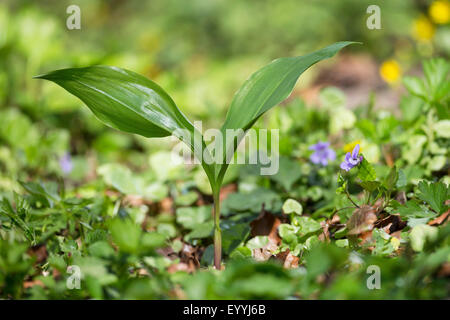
(268, 87)
(129, 102)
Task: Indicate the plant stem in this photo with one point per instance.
(217, 231)
(349, 198)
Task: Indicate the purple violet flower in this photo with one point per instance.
(351, 160)
(322, 153)
(65, 162)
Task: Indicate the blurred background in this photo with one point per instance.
(200, 52)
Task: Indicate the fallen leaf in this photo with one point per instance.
(166, 204)
(391, 223)
(444, 271)
(266, 224)
(439, 220)
(133, 200)
(325, 235)
(226, 190)
(29, 284)
(362, 220)
(288, 259)
(39, 251)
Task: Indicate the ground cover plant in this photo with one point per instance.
(358, 209)
(316, 224)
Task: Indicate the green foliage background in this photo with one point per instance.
(109, 214)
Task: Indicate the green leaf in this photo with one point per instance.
(342, 183)
(401, 180)
(119, 177)
(202, 230)
(190, 217)
(128, 102)
(436, 75)
(415, 86)
(390, 181)
(370, 186)
(41, 193)
(289, 172)
(366, 171)
(420, 234)
(101, 249)
(292, 206)
(152, 240)
(442, 128)
(208, 255)
(308, 225)
(257, 242)
(266, 88)
(126, 234)
(368, 129)
(288, 232)
(435, 194)
(252, 201)
(342, 243)
(233, 234)
(412, 210)
(122, 179)
(186, 199)
(241, 253)
(123, 99)
(7, 209)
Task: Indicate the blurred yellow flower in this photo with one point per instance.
(350, 146)
(395, 243)
(423, 29)
(440, 11)
(390, 71)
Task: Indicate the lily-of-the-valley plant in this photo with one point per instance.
(132, 103)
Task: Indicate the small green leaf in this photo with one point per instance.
(7, 209)
(202, 230)
(126, 234)
(41, 193)
(342, 243)
(420, 234)
(366, 171)
(370, 186)
(435, 194)
(257, 242)
(442, 128)
(288, 232)
(308, 225)
(415, 86)
(390, 181)
(241, 253)
(401, 180)
(412, 209)
(152, 240)
(292, 206)
(342, 183)
(252, 201)
(191, 217)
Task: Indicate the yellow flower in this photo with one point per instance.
(390, 71)
(423, 29)
(395, 243)
(350, 146)
(440, 11)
